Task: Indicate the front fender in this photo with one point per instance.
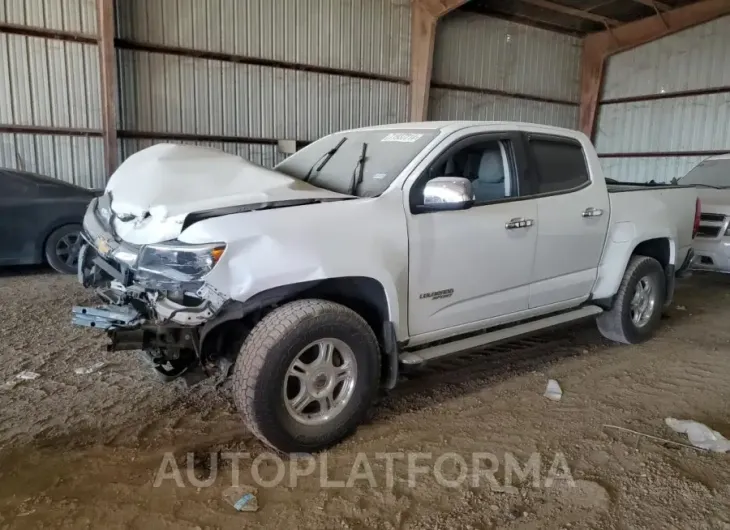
(271, 249)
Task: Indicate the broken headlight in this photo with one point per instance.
(104, 208)
(178, 261)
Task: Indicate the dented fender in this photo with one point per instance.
(269, 249)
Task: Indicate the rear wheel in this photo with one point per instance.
(637, 308)
(62, 248)
(307, 375)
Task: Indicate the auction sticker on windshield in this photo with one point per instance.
(407, 138)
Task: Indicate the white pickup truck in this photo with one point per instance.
(368, 250)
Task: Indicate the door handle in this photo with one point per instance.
(592, 212)
(518, 222)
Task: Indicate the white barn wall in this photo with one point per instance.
(665, 106)
(489, 68)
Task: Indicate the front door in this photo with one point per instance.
(472, 265)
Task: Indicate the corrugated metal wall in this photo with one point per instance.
(668, 100)
(242, 74)
(172, 94)
(359, 35)
(75, 159)
(50, 84)
(449, 104)
(487, 68)
(269, 69)
(65, 15)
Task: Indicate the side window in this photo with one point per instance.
(560, 163)
(487, 164)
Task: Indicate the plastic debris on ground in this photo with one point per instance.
(700, 435)
(553, 390)
(242, 498)
(90, 369)
(27, 376)
(22, 376)
(681, 308)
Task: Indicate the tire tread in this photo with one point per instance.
(272, 329)
(611, 323)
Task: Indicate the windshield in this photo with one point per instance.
(713, 172)
(387, 152)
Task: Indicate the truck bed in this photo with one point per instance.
(664, 208)
(630, 186)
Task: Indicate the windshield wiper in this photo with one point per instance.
(324, 159)
(357, 178)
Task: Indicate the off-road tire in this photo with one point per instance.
(616, 324)
(260, 369)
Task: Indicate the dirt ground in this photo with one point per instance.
(82, 451)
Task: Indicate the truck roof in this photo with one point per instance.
(453, 126)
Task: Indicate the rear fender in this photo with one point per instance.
(621, 245)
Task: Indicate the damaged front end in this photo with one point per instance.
(156, 298)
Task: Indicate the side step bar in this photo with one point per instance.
(441, 350)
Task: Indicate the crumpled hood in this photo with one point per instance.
(155, 189)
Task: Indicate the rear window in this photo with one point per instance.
(560, 163)
(387, 153)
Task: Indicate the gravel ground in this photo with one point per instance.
(82, 451)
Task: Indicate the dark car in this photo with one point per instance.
(40, 220)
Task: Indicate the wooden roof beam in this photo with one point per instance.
(597, 47)
(648, 29)
(438, 8)
(571, 11)
(659, 6)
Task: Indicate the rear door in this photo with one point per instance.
(573, 209)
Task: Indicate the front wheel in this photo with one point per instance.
(637, 308)
(307, 375)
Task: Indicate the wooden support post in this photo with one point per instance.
(423, 34)
(591, 81)
(108, 63)
(424, 17)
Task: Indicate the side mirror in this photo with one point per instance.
(447, 193)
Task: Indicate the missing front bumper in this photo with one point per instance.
(106, 317)
(129, 330)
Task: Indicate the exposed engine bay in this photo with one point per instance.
(145, 310)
